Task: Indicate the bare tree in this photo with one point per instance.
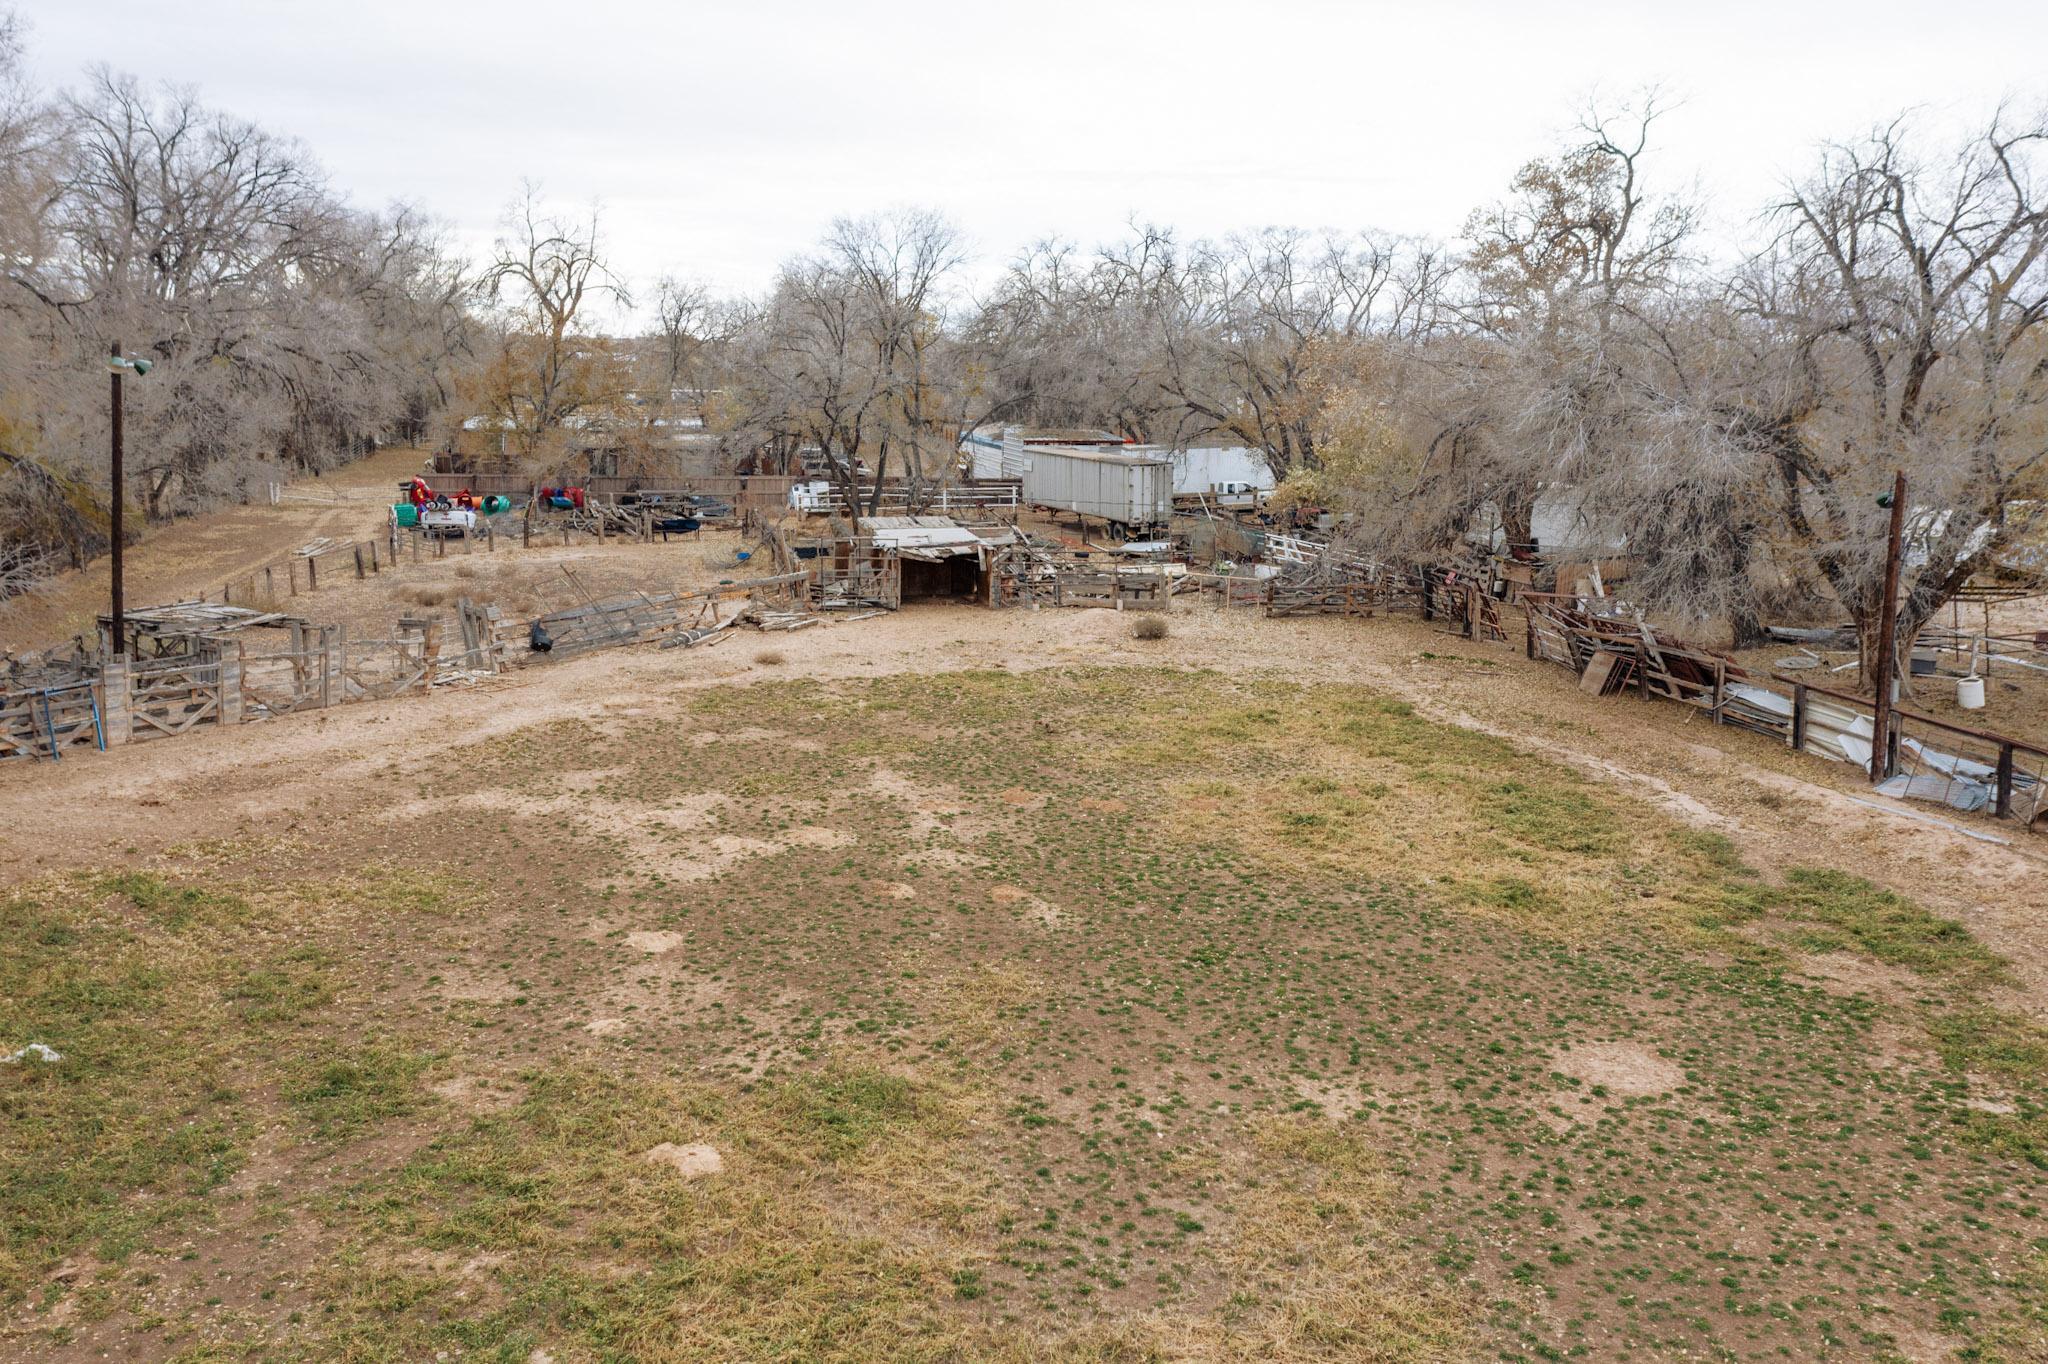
(852, 357)
(1901, 310)
(283, 324)
(547, 274)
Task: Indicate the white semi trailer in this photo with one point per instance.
(1131, 494)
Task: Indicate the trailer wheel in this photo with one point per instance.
(1119, 531)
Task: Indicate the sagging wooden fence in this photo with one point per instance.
(1967, 769)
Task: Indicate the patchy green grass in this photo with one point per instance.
(1120, 1015)
(340, 1091)
(1850, 912)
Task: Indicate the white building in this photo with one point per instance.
(1215, 468)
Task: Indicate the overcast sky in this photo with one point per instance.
(723, 137)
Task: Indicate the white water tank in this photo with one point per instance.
(1970, 692)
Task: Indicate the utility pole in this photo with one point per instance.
(116, 365)
(1887, 640)
(120, 488)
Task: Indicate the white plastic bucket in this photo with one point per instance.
(1970, 692)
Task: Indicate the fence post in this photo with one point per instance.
(1528, 631)
(326, 666)
(312, 573)
(230, 675)
(374, 566)
(430, 654)
(2003, 809)
(291, 574)
(270, 583)
(359, 561)
(116, 718)
(1720, 680)
(1798, 717)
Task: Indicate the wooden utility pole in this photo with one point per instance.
(1887, 639)
(114, 386)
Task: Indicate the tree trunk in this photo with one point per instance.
(1517, 520)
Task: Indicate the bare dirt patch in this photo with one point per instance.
(693, 1161)
(1620, 1067)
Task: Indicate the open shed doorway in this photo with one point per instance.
(956, 577)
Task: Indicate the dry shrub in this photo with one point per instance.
(1149, 627)
(426, 596)
(771, 657)
(465, 570)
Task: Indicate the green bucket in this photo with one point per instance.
(405, 513)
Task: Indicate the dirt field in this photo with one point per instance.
(193, 557)
(966, 984)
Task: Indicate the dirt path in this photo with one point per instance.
(193, 557)
(1779, 808)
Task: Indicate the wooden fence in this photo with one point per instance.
(45, 721)
(1320, 599)
(295, 573)
(1966, 768)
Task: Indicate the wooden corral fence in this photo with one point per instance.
(1117, 586)
(1321, 599)
(303, 571)
(42, 722)
(1023, 574)
(1966, 768)
(170, 697)
(1449, 595)
(849, 575)
(1231, 589)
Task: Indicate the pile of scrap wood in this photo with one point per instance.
(604, 519)
(1615, 648)
(763, 618)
